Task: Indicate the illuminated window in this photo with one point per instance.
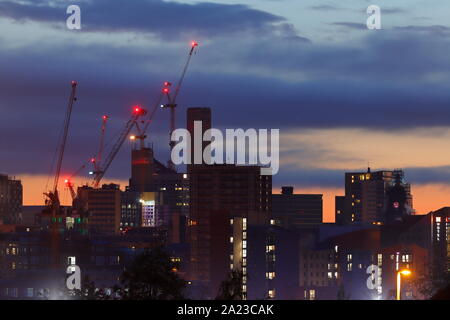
(231, 239)
(312, 294)
(349, 267)
(271, 294)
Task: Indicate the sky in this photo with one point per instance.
(343, 96)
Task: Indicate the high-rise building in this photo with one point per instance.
(339, 208)
(170, 188)
(10, 200)
(219, 193)
(131, 210)
(103, 207)
(375, 197)
(297, 210)
(194, 115)
(142, 170)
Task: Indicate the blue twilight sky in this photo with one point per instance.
(342, 95)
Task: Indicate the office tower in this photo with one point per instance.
(376, 197)
(103, 207)
(339, 208)
(219, 193)
(297, 210)
(10, 200)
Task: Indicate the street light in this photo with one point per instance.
(404, 272)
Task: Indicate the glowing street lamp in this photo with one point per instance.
(404, 272)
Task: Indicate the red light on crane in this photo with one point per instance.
(93, 160)
(136, 109)
(166, 90)
(194, 44)
(105, 117)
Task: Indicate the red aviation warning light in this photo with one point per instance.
(194, 44)
(166, 90)
(93, 160)
(137, 110)
(105, 117)
(68, 183)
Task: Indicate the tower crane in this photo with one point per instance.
(104, 165)
(52, 203)
(171, 105)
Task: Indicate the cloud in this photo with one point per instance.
(169, 20)
(350, 25)
(325, 7)
(434, 30)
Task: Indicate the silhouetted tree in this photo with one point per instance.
(231, 288)
(151, 276)
(89, 291)
(431, 283)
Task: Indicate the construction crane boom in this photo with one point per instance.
(183, 73)
(173, 99)
(98, 174)
(62, 146)
(69, 182)
(98, 158)
(102, 138)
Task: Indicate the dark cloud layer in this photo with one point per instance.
(167, 19)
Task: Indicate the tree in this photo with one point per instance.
(152, 276)
(231, 288)
(433, 281)
(89, 291)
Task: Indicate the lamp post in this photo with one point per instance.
(404, 272)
